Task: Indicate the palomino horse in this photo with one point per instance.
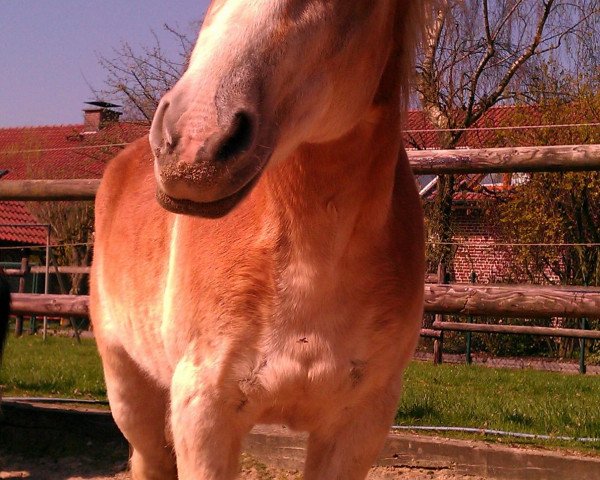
(279, 276)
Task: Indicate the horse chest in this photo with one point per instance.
(316, 346)
(306, 373)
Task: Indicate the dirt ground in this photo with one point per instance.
(42, 442)
(88, 469)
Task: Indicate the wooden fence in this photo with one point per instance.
(457, 299)
(506, 160)
(52, 305)
(423, 162)
(475, 300)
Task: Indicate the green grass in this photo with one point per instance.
(58, 367)
(525, 401)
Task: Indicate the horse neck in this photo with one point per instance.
(330, 197)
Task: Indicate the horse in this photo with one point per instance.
(259, 257)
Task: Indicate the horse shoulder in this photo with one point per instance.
(131, 245)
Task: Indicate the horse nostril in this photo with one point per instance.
(238, 138)
(171, 142)
(161, 139)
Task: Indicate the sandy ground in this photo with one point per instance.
(53, 450)
(88, 469)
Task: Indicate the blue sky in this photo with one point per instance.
(49, 50)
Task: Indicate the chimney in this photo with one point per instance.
(95, 119)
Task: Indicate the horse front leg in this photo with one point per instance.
(208, 423)
(140, 409)
(348, 449)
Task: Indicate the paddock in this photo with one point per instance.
(515, 300)
(406, 455)
(271, 453)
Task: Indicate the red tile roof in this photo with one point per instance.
(421, 134)
(497, 128)
(54, 152)
(16, 213)
(64, 151)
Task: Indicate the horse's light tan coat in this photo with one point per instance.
(302, 305)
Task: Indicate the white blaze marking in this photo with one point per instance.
(170, 284)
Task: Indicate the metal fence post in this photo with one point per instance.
(473, 278)
(47, 279)
(582, 367)
(22, 278)
(438, 343)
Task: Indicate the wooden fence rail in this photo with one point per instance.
(48, 190)
(13, 272)
(515, 330)
(433, 162)
(505, 300)
(451, 299)
(513, 300)
(506, 160)
(52, 305)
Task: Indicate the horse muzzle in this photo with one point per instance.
(207, 158)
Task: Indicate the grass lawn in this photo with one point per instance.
(58, 367)
(523, 401)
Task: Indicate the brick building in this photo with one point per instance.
(477, 241)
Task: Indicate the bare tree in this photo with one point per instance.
(72, 225)
(477, 54)
(139, 78)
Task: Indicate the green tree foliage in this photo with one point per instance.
(556, 216)
(557, 208)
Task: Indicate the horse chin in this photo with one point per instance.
(216, 209)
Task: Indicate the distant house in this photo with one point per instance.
(56, 152)
(476, 240)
